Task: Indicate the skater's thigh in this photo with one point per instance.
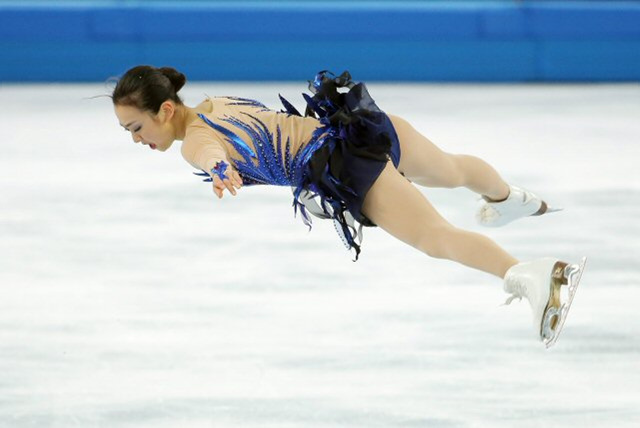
(398, 207)
(421, 160)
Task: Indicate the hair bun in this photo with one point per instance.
(176, 78)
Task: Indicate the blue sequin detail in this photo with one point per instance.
(219, 169)
(247, 102)
(264, 165)
(319, 184)
(204, 174)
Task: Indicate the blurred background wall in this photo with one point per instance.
(510, 41)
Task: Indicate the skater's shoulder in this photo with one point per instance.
(198, 135)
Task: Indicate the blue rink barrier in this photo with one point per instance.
(401, 41)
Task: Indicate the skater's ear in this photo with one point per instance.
(167, 111)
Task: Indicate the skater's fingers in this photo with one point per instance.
(229, 186)
(237, 180)
(217, 190)
(218, 187)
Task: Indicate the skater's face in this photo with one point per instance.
(153, 130)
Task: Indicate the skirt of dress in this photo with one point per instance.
(358, 139)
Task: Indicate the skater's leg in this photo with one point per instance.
(424, 163)
(398, 207)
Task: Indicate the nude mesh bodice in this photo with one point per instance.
(263, 145)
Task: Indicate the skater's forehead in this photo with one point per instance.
(127, 115)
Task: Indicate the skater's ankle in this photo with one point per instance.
(499, 197)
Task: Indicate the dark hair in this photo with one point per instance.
(147, 87)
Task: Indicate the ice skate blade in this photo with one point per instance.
(553, 210)
(546, 209)
(571, 278)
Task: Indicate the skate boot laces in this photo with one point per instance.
(518, 290)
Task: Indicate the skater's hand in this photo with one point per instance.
(233, 180)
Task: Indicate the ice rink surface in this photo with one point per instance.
(130, 296)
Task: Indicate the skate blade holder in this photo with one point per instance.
(564, 285)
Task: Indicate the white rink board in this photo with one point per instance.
(130, 296)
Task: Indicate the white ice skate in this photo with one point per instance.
(519, 203)
(541, 282)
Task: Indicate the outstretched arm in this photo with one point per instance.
(203, 151)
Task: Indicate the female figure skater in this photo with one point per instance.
(348, 161)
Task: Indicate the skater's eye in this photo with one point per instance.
(132, 130)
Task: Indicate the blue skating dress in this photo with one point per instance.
(329, 157)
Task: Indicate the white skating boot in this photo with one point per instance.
(541, 281)
(519, 203)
